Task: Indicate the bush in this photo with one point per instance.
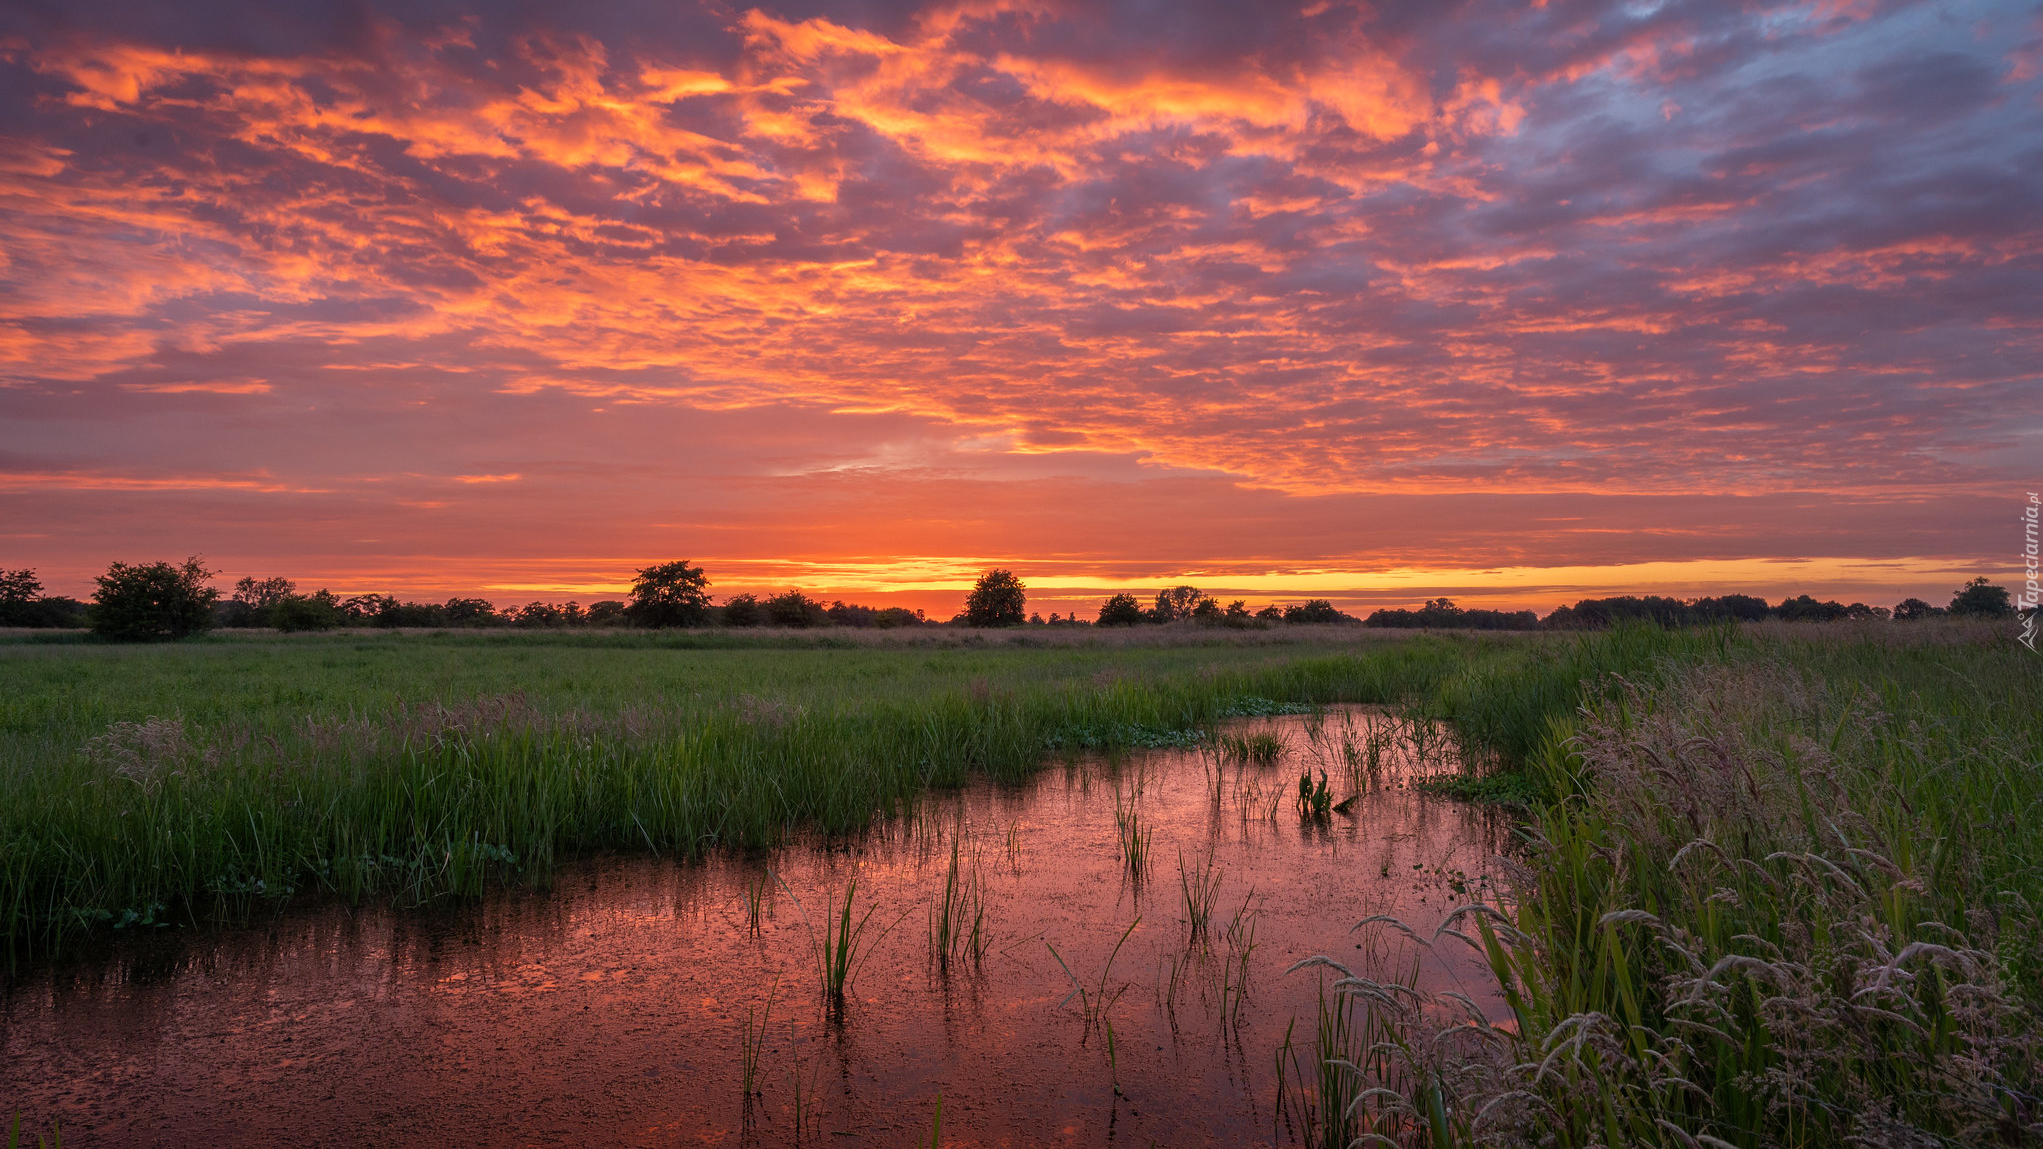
(997, 599)
(320, 610)
(147, 602)
(607, 612)
(742, 610)
(1911, 609)
(669, 594)
(1314, 610)
(1120, 610)
(794, 609)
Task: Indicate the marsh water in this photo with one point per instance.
(619, 1005)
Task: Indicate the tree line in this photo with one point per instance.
(165, 600)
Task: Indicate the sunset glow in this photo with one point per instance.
(1515, 302)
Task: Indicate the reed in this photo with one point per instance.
(752, 1040)
(14, 1137)
(1199, 888)
(1133, 837)
(957, 918)
(846, 943)
(1096, 1002)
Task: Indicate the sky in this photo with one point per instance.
(1511, 302)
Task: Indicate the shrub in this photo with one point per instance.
(742, 610)
(1314, 610)
(145, 602)
(794, 609)
(997, 599)
(1120, 610)
(669, 594)
(1911, 609)
(320, 610)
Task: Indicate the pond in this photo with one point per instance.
(1076, 999)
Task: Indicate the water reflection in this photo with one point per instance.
(614, 1007)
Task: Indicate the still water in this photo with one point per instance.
(618, 1006)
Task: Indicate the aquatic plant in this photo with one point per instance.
(845, 944)
(752, 1040)
(1314, 800)
(755, 900)
(957, 918)
(1256, 747)
(1199, 887)
(54, 1141)
(1132, 837)
(1094, 1003)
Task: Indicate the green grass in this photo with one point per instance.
(1783, 894)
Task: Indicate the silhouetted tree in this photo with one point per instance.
(148, 601)
(1271, 612)
(537, 616)
(607, 612)
(474, 612)
(997, 599)
(1314, 610)
(1802, 608)
(19, 590)
(794, 609)
(1911, 609)
(1743, 607)
(1981, 599)
(252, 600)
(669, 594)
(1120, 610)
(742, 610)
(320, 610)
(1178, 602)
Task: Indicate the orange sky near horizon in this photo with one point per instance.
(1518, 303)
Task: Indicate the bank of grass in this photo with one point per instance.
(150, 784)
(1783, 895)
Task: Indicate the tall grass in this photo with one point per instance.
(1787, 894)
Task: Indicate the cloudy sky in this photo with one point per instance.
(1511, 301)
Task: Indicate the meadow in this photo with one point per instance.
(1780, 884)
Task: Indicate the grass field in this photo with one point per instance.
(1782, 888)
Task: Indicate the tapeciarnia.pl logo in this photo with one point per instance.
(2030, 592)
